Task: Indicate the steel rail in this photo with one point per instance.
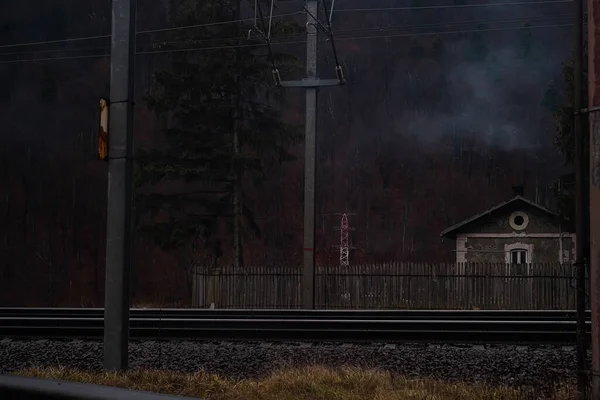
(296, 314)
(312, 329)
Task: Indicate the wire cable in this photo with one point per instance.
(24, 44)
(55, 58)
(225, 40)
(20, 53)
(5, 46)
(295, 42)
(387, 28)
(363, 38)
(468, 22)
(506, 4)
(237, 21)
(412, 8)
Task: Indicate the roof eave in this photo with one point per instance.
(451, 232)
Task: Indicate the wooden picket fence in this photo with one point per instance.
(393, 285)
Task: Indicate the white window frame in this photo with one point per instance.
(509, 248)
(522, 252)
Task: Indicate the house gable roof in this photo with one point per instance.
(451, 232)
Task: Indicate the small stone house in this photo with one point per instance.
(517, 231)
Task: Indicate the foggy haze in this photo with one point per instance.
(447, 123)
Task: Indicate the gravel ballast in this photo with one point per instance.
(540, 366)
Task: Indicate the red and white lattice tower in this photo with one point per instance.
(344, 242)
(344, 245)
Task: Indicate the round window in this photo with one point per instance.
(518, 220)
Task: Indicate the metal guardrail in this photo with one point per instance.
(302, 325)
(19, 387)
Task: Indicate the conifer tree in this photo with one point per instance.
(223, 128)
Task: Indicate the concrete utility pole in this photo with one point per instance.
(312, 84)
(310, 160)
(594, 120)
(581, 253)
(119, 202)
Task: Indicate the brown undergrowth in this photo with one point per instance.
(311, 383)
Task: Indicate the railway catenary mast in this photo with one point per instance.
(311, 83)
(120, 189)
(593, 114)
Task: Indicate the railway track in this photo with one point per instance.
(433, 326)
(536, 315)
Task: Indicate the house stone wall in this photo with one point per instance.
(489, 238)
(492, 249)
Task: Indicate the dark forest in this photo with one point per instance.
(444, 110)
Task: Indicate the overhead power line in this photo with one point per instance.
(395, 27)
(20, 53)
(451, 5)
(237, 21)
(406, 34)
(143, 32)
(5, 46)
(360, 38)
(468, 22)
(55, 58)
(226, 40)
(294, 42)
(505, 4)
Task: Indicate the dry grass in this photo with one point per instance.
(312, 383)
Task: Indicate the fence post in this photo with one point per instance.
(195, 287)
(356, 280)
(214, 287)
(395, 284)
